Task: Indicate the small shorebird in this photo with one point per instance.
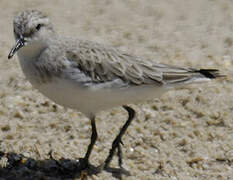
(91, 77)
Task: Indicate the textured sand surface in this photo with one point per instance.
(186, 134)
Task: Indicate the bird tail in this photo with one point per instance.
(210, 73)
(188, 76)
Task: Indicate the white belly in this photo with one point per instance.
(87, 100)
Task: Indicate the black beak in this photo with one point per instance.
(19, 43)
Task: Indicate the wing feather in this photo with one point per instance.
(102, 63)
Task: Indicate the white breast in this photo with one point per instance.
(88, 100)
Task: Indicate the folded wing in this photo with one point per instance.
(103, 64)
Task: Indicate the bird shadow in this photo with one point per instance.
(15, 166)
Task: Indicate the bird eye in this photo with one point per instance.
(38, 27)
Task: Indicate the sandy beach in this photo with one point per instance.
(187, 134)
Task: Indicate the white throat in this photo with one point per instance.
(28, 55)
(31, 51)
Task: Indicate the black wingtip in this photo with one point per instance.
(210, 73)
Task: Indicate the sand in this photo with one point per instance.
(186, 134)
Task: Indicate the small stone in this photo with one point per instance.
(5, 128)
(19, 114)
(3, 162)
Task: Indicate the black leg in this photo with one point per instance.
(117, 141)
(83, 166)
(94, 137)
(84, 162)
(119, 154)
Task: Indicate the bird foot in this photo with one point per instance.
(85, 166)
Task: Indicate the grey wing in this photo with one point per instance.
(103, 64)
